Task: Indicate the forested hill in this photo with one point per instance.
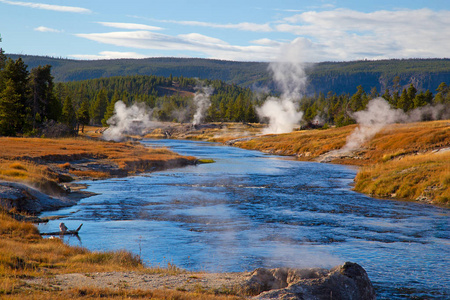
(339, 77)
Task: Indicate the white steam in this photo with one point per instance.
(133, 120)
(379, 114)
(202, 103)
(289, 74)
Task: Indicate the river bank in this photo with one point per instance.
(403, 161)
(43, 172)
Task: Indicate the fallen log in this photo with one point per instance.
(67, 232)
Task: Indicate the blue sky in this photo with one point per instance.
(245, 30)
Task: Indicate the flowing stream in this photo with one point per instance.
(250, 210)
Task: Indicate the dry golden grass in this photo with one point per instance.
(413, 176)
(24, 253)
(24, 159)
(307, 143)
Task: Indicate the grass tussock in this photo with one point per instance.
(39, 176)
(90, 174)
(412, 177)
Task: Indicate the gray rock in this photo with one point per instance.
(349, 281)
(27, 199)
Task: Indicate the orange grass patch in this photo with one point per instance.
(130, 156)
(412, 177)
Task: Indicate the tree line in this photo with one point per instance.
(31, 104)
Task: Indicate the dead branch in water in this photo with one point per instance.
(67, 232)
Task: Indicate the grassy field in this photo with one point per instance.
(45, 163)
(400, 162)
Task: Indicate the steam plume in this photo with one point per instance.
(202, 103)
(289, 75)
(132, 120)
(379, 114)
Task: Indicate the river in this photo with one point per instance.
(250, 210)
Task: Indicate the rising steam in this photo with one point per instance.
(289, 74)
(379, 114)
(202, 103)
(134, 120)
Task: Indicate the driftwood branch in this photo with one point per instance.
(67, 232)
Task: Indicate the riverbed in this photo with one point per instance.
(250, 210)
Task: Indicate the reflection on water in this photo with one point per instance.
(250, 210)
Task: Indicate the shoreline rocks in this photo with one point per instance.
(24, 198)
(349, 281)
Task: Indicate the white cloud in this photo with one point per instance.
(46, 29)
(207, 46)
(339, 34)
(266, 42)
(345, 34)
(48, 6)
(109, 55)
(244, 26)
(131, 26)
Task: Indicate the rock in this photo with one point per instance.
(349, 281)
(27, 199)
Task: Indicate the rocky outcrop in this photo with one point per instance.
(349, 281)
(27, 199)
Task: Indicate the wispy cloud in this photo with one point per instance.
(339, 34)
(204, 45)
(46, 29)
(59, 8)
(109, 55)
(244, 26)
(131, 26)
(266, 42)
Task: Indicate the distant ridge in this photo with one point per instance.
(339, 77)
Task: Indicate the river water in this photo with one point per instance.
(251, 210)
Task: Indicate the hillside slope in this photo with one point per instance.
(339, 77)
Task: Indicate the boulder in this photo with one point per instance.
(349, 281)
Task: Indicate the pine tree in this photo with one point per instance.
(404, 102)
(10, 108)
(98, 108)
(83, 115)
(68, 116)
(250, 114)
(43, 101)
(110, 108)
(16, 71)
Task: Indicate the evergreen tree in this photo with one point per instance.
(10, 108)
(250, 114)
(404, 102)
(443, 95)
(44, 103)
(83, 115)
(68, 116)
(98, 108)
(387, 96)
(420, 100)
(110, 108)
(16, 71)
